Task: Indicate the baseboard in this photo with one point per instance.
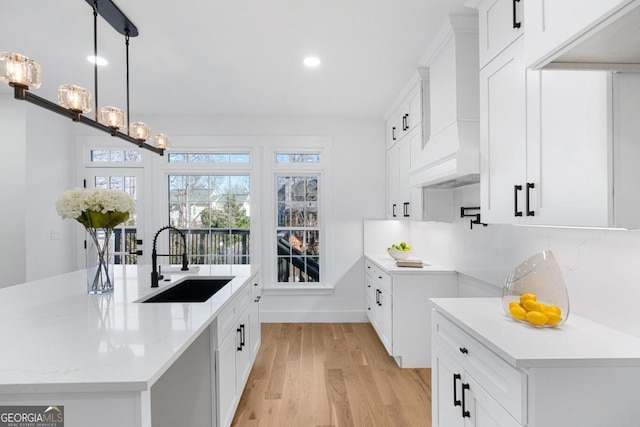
(356, 316)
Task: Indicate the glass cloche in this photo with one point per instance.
(535, 292)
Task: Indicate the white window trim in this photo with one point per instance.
(321, 169)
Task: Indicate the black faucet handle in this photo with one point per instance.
(185, 263)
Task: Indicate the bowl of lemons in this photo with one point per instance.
(399, 251)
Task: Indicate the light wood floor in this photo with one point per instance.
(331, 374)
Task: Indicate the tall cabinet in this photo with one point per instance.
(405, 138)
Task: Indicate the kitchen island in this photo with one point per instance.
(111, 360)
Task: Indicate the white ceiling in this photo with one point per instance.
(233, 57)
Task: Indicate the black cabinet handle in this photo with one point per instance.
(530, 185)
(464, 350)
(239, 331)
(516, 24)
(516, 188)
(393, 133)
(407, 120)
(394, 210)
(243, 342)
(405, 208)
(405, 126)
(456, 401)
(377, 297)
(465, 413)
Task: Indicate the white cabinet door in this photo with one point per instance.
(404, 165)
(385, 302)
(446, 382)
(226, 375)
(254, 328)
(503, 115)
(553, 24)
(394, 208)
(459, 400)
(501, 22)
(568, 145)
(243, 351)
(481, 410)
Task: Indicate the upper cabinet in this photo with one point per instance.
(501, 22)
(596, 34)
(548, 140)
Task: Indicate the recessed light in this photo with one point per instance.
(97, 60)
(311, 61)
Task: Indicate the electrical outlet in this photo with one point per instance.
(54, 235)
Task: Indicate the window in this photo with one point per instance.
(297, 231)
(214, 213)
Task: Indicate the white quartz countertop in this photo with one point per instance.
(389, 265)
(578, 342)
(55, 337)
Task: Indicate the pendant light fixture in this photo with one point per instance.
(23, 74)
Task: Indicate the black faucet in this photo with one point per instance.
(155, 275)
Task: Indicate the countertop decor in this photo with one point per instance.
(534, 292)
(99, 211)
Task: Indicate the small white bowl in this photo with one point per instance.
(396, 254)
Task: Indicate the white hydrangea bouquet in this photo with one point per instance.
(99, 211)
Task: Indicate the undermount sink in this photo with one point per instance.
(191, 290)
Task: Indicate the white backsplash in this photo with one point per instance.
(599, 265)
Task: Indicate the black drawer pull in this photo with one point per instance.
(465, 413)
(464, 350)
(516, 24)
(516, 188)
(530, 185)
(456, 401)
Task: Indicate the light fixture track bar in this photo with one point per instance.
(114, 16)
(21, 92)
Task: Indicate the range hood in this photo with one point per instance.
(449, 159)
(451, 156)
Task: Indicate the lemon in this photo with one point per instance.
(553, 318)
(531, 305)
(525, 297)
(543, 308)
(537, 318)
(517, 311)
(554, 309)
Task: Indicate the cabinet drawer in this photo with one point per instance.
(380, 278)
(506, 384)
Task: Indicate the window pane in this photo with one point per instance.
(198, 158)
(133, 156)
(297, 158)
(177, 158)
(239, 158)
(215, 219)
(116, 156)
(101, 182)
(99, 156)
(297, 235)
(219, 158)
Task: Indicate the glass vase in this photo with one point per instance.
(535, 293)
(99, 260)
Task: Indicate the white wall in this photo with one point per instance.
(50, 171)
(12, 181)
(599, 265)
(35, 167)
(357, 189)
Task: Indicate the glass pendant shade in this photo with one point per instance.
(112, 117)
(535, 292)
(162, 141)
(140, 131)
(74, 98)
(19, 70)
